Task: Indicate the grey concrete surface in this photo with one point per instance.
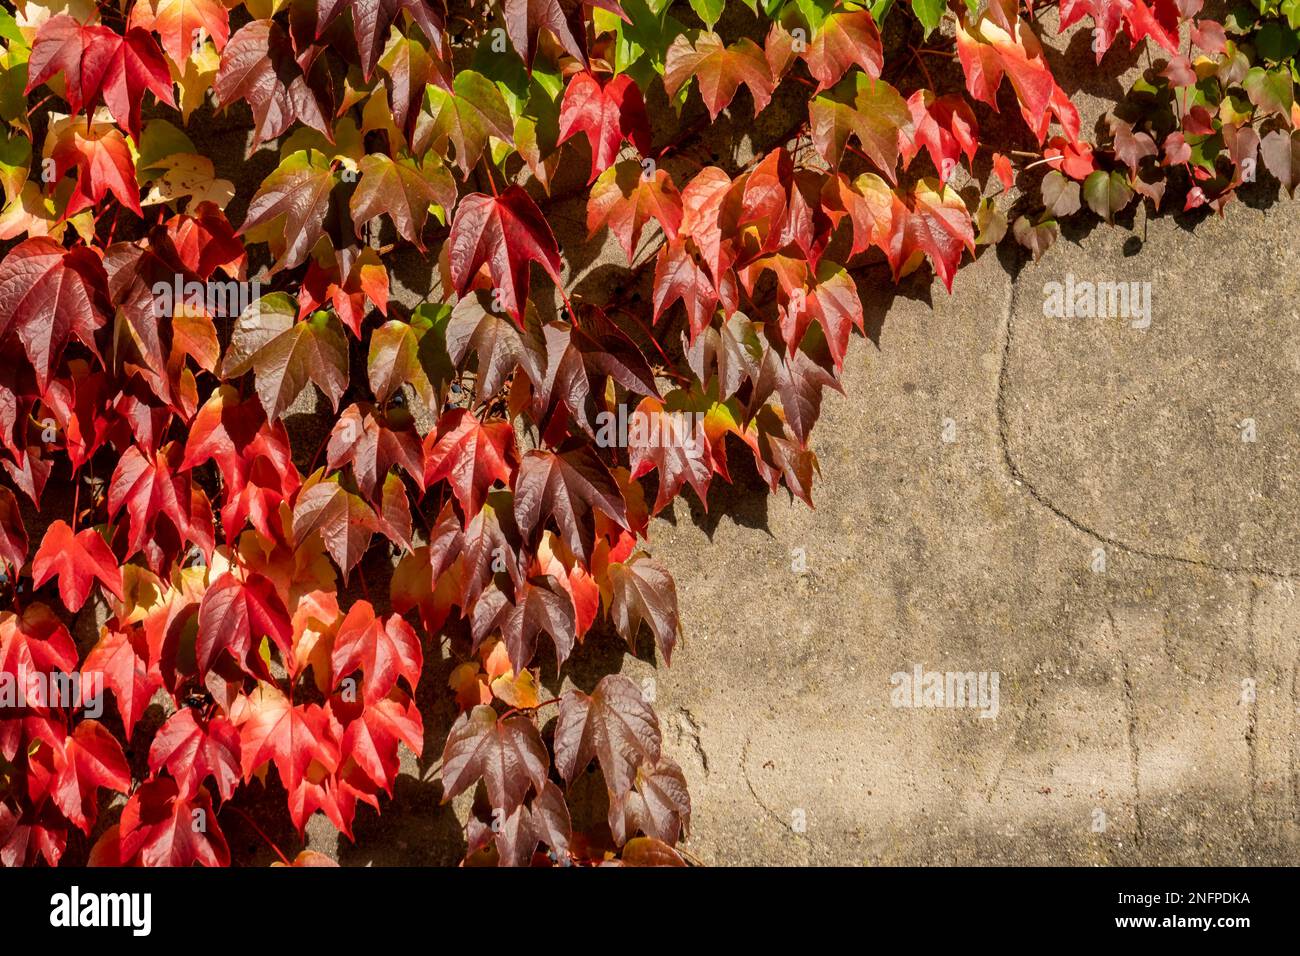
(1121, 690)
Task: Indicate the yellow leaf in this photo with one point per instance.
(195, 78)
(188, 175)
(30, 214)
(142, 591)
(264, 9)
(518, 691)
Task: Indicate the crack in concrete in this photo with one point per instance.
(1134, 753)
(1011, 744)
(689, 728)
(1022, 481)
(744, 773)
(1252, 712)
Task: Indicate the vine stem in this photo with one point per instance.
(492, 183)
(514, 710)
(269, 842)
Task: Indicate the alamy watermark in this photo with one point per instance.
(951, 689)
(220, 299)
(624, 429)
(1098, 300)
(55, 690)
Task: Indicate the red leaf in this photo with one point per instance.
(235, 615)
(471, 455)
(13, 536)
(149, 487)
(193, 749)
(137, 65)
(92, 758)
(719, 70)
(122, 657)
(624, 199)
(566, 487)
(176, 22)
(940, 227)
(845, 38)
(372, 736)
(506, 755)
(607, 114)
(382, 649)
(506, 232)
(103, 162)
(163, 828)
(615, 725)
(293, 737)
(34, 642)
(81, 52)
(48, 294)
(258, 66)
(78, 562)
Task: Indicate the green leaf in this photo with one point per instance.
(465, 118)
(413, 353)
(929, 12)
(1106, 193)
(159, 140)
(15, 162)
(1276, 42)
(1269, 90)
(708, 10)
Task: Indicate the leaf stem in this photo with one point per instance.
(269, 842)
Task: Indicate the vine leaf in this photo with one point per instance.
(258, 66)
(607, 114)
(658, 805)
(157, 826)
(624, 198)
(122, 656)
(234, 615)
(345, 522)
(538, 606)
(614, 725)
(507, 755)
(642, 590)
(78, 561)
(382, 649)
(471, 455)
(845, 38)
(91, 759)
(193, 748)
(565, 487)
(464, 116)
(373, 442)
(292, 202)
(719, 70)
(286, 355)
(504, 232)
(867, 108)
(525, 19)
(402, 190)
(49, 294)
(176, 22)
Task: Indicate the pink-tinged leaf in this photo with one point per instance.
(607, 114)
(505, 233)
